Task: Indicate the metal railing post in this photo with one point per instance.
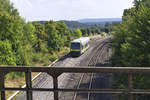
(55, 76)
(2, 85)
(55, 86)
(28, 85)
(130, 85)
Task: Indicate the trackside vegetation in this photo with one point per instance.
(131, 45)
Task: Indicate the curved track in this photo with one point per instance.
(97, 55)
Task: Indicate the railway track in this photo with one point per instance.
(89, 58)
(96, 59)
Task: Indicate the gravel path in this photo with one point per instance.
(65, 80)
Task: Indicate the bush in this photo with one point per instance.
(6, 53)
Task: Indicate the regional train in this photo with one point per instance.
(79, 46)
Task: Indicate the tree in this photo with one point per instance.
(54, 39)
(6, 6)
(131, 46)
(41, 44)
(84, 31)
(6, 53)
(63, 33)
(29, 34)
(12, 30)
(77, 33)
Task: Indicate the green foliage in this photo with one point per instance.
(132, 41)
(5, 6)
(12, 30)
(96, 29)
(108, 27)
(6, 54)
(77, 33)
(25, 39)
(91, 30)
(75, 24)
(29, 34)
(131, 45)
(63, 31)
(41, 43)
(54, 38)
(43, 58)
(103, 34)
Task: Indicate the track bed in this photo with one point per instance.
(97, 55)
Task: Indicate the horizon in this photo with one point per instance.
(81, 19)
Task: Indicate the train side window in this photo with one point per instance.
(86, 45)
(81, 46)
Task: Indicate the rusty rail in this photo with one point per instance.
(57, 71)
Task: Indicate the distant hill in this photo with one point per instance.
(40, 22)
(70, 24)
(99, 21)
(85, 23)
(75, 24)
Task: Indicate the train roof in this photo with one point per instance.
(82, 40)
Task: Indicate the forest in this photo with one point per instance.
(131, 45)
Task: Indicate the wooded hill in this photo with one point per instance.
(100, 21)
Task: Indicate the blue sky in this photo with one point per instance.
(33, 10)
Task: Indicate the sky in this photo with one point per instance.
(37, 10)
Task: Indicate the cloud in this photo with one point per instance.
(21, 3)
(24, 7)
(70, 9)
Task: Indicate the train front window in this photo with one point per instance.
(75, 45)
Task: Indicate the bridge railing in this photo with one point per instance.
(55, 72)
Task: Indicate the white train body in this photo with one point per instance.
(79, 46)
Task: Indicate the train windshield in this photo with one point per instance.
(75, 45)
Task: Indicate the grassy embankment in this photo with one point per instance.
(19, 81)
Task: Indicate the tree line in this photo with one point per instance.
(87, 29)
(131, 45)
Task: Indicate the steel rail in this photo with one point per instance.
(92, 61)
(90, 86)
(99, 54)
(78, 86)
